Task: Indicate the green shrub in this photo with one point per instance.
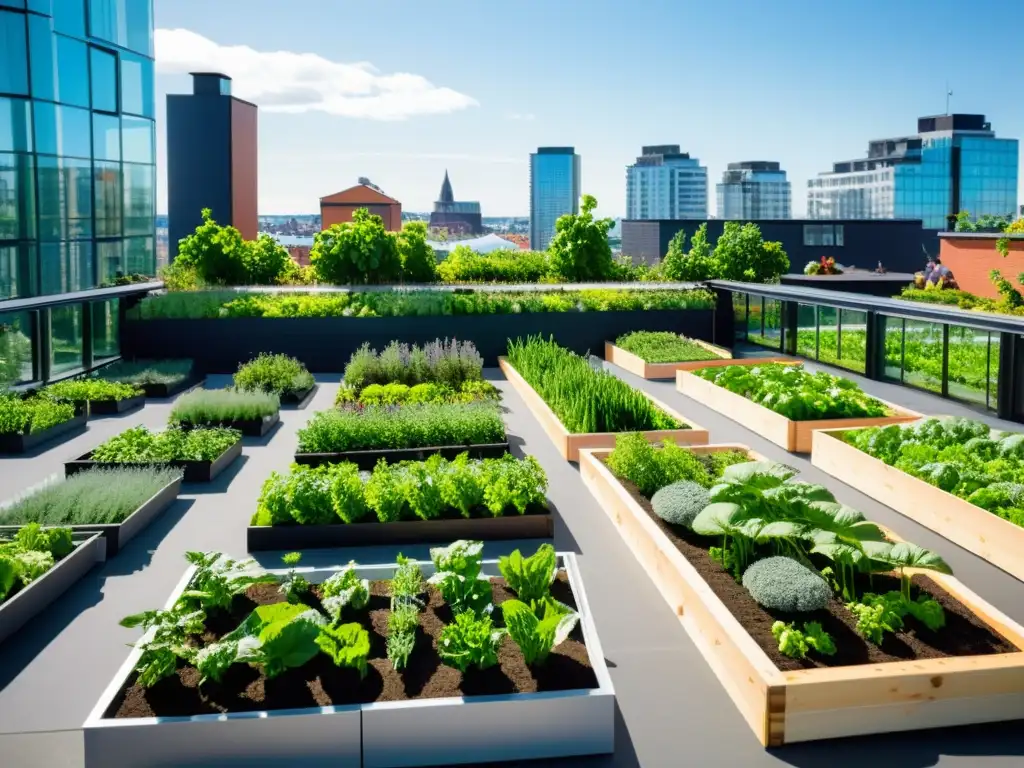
(663, 347)
(584, 399)
(92, 390)
(219, 406)
(411, 426)
(218, 255)
(680, 502)
(650, 467)
(100, 496)
(783, 584)
(140, 372)
(138, 444)
(356, 252)
(34, 414)
(464, 265)
(419, 264)
(449, 362)
(277, 374)
(580, 250)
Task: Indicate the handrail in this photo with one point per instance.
(77, 297)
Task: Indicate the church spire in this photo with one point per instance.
(446, 190)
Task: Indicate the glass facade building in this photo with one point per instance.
(554, 191)
(954, 163)
(753, 190)
(77, 171)
(665, 183)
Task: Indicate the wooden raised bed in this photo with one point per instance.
(640, 367)
(811, 704)
(193, 471)
(34, 599)
(116, 535)
(975, 529)
(415, 732)
(17, 443)
(367, 460)
(792, 435)
(533, 525)
(569, 444)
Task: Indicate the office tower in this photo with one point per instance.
(753, 189)
(457, 217)
(211, 158)
(77, 177)
(953, 163)
(554, 191)
(665, 183)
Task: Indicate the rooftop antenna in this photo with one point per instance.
(948, 94)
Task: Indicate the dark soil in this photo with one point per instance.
(320, 683)
(963, 635)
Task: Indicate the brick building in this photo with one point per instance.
(339, 207)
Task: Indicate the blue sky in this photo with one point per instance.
(798, 81)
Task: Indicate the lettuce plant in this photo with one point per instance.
(344, 589)
(347, 645)
(796, 644)
(536, 635)
(469, 641)
(218, 579)
(458, 577)
(530, 577)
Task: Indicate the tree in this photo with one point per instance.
(419, 264)
(742, 254)
(698, 264)
(580, 250)
(266, 261)
(357, 252)
(672, 265)
(215, 252)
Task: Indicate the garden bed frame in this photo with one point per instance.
(640, 367)
(260, 538)
(35, 598)
(160, 391)
(569, 443)
(811, 704)
(116, 535)
(977, 530)
(112, 407)
(248, 427)
(367, 460)
(478, 729)
(298, 400)
(18, 443)
(193, 471)
(792, 435)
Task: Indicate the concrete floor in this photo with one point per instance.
(672, 710)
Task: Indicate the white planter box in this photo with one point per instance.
(405, 733)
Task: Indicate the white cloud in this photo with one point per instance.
(284, 81)
(521, 116)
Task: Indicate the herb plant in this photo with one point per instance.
(447, 362)
(294, 585)
(31, 415)
(470, 391)
(216, 407)
(140, 372)
(796, 643)
(470, 641)
(584, 399)
(139, 445)
(278, 374)
(663, 347)
(81, 390)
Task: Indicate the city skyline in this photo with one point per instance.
(789, 93)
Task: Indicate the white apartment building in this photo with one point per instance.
(752, 190)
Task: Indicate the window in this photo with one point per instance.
(65, 198)
(69, 17)
(65, 339)
(15, 348)
(44, 7)
(139, 256)
(823, 234)
(140, 26)
(15, 125)
(72, 81)
(138, 140)
(110, 257)
(66, 266)
(827, 235)
(61, 130)
(839, 233)
(104, 80)
(139, 202)
(812, 234)
(17, 197)
(106, 137)
(137, 85)
(13, 53)
(108, 20)
(17, 274)
(105, 343)
(107, 187)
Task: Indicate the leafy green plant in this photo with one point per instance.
(584, 399)
(139, 445)
(140, 372)
(347, 645)
(530, 577)
(469, 641)
(463, 265)
(211, 407)
(166, 641)
(457, 575)
(31, 415)
(218, 579)
(343, 590)
(218, 255)
(294, 585)
(791, 391)
(796, 644)
(741, 253)
(93, 390)
(536, 635)
(663, 347)
(650, 467)
(278, 637)
(278, 374)
(579, 250)
(29, 554)
(419, 264)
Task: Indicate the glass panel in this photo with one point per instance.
(65, 198)
(17, 197)
(806, 330)
(140, 26)
(42, 57)
(852, 340)
(139, 199)
(13, 53)
(136, 85)
(839, 234)
(65, 339)
(61, 130)
(968, 364)
(13, 3)
(138, 140)
(105, 342)
(72, 82)
(108, 21)
(17, 270)
(827, 234)
(140, 258)
(15, 125)
(106, 139)
(66, 266)
(993, 371)
(104, 80)
(772, 334)
(107, 177)
(110, 256)
(754, 312)
(812, 234)
(892, 332)
(828, 334)
(69, 17)
(40, 6)
(15, 348)
(739, 313)
(922, 355)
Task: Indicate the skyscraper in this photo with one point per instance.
(753, 190)
(211, 159)
(665, 183)
(953, 163)
(554, 191)
(77, 177)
